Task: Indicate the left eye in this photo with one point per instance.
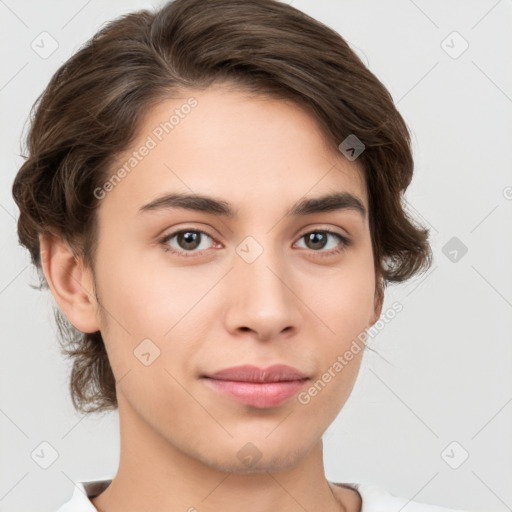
(317, 240)
(192, 241)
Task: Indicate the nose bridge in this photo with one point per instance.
(263, 300)
(261, 267)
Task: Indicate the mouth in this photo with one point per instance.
(256, 387)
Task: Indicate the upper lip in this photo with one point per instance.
(249, 373)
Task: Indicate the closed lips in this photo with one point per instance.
(261, 388)
(250, 373)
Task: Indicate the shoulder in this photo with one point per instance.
(80, 500)
(375, 498)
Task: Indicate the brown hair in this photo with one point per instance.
(90, 111)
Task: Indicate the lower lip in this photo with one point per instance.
(258, 394)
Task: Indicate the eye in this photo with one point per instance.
(318, 240)
(187, 240)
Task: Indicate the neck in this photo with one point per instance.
(155, 475)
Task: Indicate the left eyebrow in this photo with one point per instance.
(328, 203)
(207, 204)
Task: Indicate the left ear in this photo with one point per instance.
(378, 301)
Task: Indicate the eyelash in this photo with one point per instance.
(190, 254)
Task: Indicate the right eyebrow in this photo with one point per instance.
(191, 202)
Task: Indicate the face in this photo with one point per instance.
(188, 290)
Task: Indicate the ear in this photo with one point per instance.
(71, 284)
(378, 302)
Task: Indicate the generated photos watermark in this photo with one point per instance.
(343, 359)
(152, 140)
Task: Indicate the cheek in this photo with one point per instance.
(149, 308)
(148, 298)
(343, 306)
(343, 296)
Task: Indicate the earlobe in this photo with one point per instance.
(70, 283)
(377, 311)
(378, 303)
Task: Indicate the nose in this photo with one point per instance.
(261, 297)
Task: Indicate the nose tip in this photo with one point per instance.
(261, 301)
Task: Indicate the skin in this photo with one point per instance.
(294, 304)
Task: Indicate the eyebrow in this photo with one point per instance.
(327, 203)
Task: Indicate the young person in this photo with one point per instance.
(213, 196)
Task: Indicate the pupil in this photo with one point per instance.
(189, 239)
(315, 238)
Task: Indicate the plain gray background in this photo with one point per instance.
(440, 390)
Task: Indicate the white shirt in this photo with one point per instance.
(374, 499)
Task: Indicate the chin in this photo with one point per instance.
(250, 459)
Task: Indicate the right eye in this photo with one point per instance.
(187, 241)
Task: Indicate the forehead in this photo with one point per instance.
(249, 149)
